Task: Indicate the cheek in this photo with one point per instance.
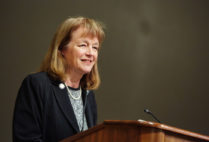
(79, 53)
(71, 53)
(68, 56)
(96, 56)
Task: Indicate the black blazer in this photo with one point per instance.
(43, 112)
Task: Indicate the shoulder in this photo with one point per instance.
(90, 93)
(40, 76)
(35, 85)
(36, 81)
(37, 78)
(91, 96)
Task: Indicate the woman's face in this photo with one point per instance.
(81, 52)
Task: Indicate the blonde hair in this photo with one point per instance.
(54, 63)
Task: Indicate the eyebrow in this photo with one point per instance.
(86, 41)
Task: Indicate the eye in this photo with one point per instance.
(82, 45)
(96, 47)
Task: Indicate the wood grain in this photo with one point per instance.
(135, 131)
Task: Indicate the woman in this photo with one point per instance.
(56, 103)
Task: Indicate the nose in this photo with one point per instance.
(89, 51)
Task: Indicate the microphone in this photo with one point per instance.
(150, 113)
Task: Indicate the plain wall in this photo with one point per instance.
(155, 55)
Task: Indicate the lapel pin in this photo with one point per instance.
(61, 86)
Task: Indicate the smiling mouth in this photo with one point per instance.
(86, 60)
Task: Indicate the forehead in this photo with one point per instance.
(83, 33)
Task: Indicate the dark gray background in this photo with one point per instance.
(155, 56)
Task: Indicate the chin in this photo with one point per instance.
(86, 71)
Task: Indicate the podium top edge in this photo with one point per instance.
(156, 125)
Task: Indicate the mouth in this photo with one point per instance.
(87, 60)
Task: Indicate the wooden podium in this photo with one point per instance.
(135, 131)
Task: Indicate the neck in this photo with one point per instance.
(73, 79)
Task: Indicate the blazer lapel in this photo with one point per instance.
(87, 109)
(65, 105)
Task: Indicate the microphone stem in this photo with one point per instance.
(155, 117)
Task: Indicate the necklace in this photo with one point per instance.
(69, 92)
